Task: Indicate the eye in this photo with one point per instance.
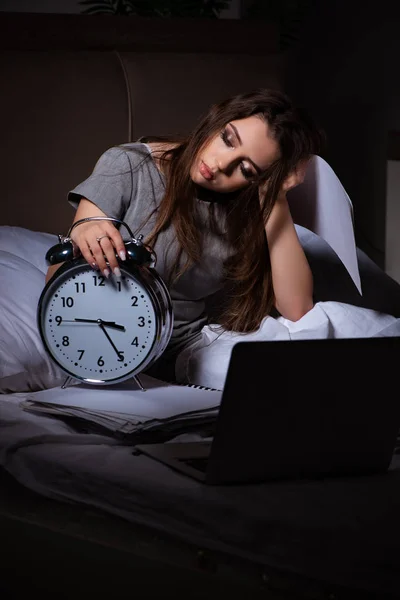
(247, 173)
(226, 139)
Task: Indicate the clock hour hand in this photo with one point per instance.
(101, 325)
(112, 324)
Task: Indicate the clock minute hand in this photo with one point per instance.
(112, 324)
(101, 325)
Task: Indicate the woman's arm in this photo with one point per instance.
(291, 274)
(96, 228)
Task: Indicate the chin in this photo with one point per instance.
(200, 182)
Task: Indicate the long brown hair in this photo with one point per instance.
(248, 271)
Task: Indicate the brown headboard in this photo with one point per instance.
(74, 85)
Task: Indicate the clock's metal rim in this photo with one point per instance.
(163, 330)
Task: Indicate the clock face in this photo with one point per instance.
(98, 329)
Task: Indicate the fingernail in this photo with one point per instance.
(117, 272)
(122, 254)
(95, 267)
(106, 273)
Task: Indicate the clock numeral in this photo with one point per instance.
(121, 357)
(119, 286)
(135, 342)
(80, 286)
(135, 301)
(65, 340)
(141, 321)
(58, 320)
(82, 352)
(100, 362)
(69, 302)
(99, 280)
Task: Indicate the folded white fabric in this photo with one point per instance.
(206, 361)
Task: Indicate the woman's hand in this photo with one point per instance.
(296, 177)
(98, 241)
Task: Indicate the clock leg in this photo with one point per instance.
(66, 382)
(139, 383)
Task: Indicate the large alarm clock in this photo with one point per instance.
(102, 331)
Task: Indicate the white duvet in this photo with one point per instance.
(206, 362)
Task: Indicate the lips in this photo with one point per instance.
(205, 171)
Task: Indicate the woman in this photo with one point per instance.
(213, 206)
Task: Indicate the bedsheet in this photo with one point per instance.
(340, 531)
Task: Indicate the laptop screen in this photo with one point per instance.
(307, 408)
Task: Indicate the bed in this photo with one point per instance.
(303, 537)
(76, 506)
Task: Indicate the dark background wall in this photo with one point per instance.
(341, 62)
(344, 68)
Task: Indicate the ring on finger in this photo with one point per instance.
(101, 237)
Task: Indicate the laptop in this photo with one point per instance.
(300, 409)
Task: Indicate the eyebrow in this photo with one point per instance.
(257, 168)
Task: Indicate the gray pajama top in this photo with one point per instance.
(127, 184)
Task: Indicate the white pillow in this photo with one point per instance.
(27, 244)
(24, 363)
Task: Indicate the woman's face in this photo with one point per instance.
(233, 157)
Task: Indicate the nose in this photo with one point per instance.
(226, 161)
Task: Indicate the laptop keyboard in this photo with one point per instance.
(200, 464)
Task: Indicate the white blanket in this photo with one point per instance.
(207, 360)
